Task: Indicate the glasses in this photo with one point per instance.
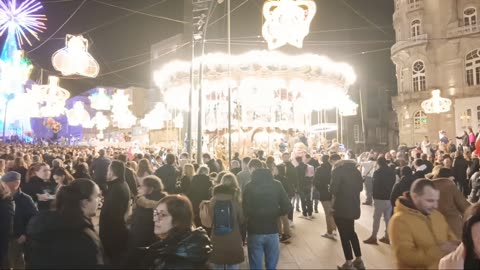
(159, 215)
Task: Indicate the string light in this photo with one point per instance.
(75, 58)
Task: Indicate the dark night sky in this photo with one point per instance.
(341, 29)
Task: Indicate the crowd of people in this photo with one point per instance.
(163, 211)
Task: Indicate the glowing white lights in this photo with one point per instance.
(436, 104)
(78, 115)
(348, 108)
(122, 117)
(14, 73)
(156, 118)
(287, 21)
(51, 97)
(75, 58)
(100, 101)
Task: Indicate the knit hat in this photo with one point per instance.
(11, 176)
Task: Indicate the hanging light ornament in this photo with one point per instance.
(78, 115)
(436, 104)
(348, 107)
(75, 58)
(122, 117)
(101, 122)
(156, 118)
(52, 97)
(100, 101)
(287, 21)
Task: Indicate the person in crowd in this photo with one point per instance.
(467, 254)
(447, 161)
(183, 184)
(62, 178)
(244, 175)
(27, 159)
(168, 174)
(311, 161)
(383, 181)
(236, 156)
(39, 187)
(81, 171)
(132, 165)
(420, 168)
(199, 190)
(100, 168)
(66, 238)
(427, 163)
(288, 174)
(3, 167)
(112, 223)
(459, 171)
(452, 204)
(211, 163)
(226, 236)
(235, 168)
(7, 213)
(25, 209)
(465, 140)
(368, 168)
(419, 234)
(264, 201)
(130, 176)
(406, 181)
(144, 169)
(305, 175)
(345, 187)
(426, 145)
(179, 246)
(323, 176)
(220, 165)
(218, 178)
(20, 167)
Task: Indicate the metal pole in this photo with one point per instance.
(363, 121)
(190, 103)
(229, 88)
(199, 128)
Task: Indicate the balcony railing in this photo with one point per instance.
(415, 5)
(412, 41)
(463, 30)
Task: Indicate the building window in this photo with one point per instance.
(358, 135)
(466, 118)
(418, 76)
(472, 66)
(381, 135)
(420, 120)
(470, 16)
(415, 29)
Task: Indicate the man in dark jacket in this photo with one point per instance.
(406, 181)
(323, 176)
(25, 209)
(305, 187)
(130, 176)
(345, 187)
(383, 181)
(99, 169)
(168, 174)
(459, 168)
(210, 162)
(264, 201)
(288, 174)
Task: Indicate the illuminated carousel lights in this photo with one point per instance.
(74, 58)
(436, 104)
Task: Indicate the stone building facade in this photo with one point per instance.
(437, 47)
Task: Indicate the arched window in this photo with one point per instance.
(418, 76)
(470, 16)
(420, 120)
(472, 66)
(415, 28)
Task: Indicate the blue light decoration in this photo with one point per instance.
(20, 20)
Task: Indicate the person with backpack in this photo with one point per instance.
(227, 217)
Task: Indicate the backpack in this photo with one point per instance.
(205, 217)
(223, 219)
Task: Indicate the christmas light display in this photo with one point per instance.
(156, 118)
(100, 101)
(287, 21)
(348, 108)
(122, 117)
(75, 58)
(51, 97)
(78, 115)
(436, 104)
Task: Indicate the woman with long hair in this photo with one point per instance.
(38, 185)
(183, 184)
(66, 238)
(62, 178)
(199, 191)
(2, 167)
(144, 169)
(179, 245)
(81, 171)
(20, 166)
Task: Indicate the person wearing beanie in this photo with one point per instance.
(25, 209)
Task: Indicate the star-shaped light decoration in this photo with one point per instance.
(75, 58)
(122, 117)
(436, 104)
(77, 115)
(287, 21)
(156, 118)
(100, 101)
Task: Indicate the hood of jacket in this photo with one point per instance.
(48, 224)
(151, 200)
(405, 204)
(261, 175)
(345, 163)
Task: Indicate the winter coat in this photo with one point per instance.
(264, 201)
(465, 139)
(168, 174)
(416, 238)
(199, 191)
(187, 251)
(132, 182)
(459, 169)
(228, 248)
(323, 177)
(183, 185)
(244, 177)
(112, 223)
(346, 185)
(7, 212)
(100, 169)
(81, 175)
(141, 227)
(401, 187)
(38, 186)
(454, 260)
(452, 204)
(383, 181)
(61, 242)
(289, 174)
(23, 172)
(305, 174)
(213, 166)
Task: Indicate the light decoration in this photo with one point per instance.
(78, 115)
(436, 104)
(348, 108)
(14, 73)
(21, 19)
(52, 97)
(156, 118)
(101, 122)
(100, 101)
(287, 21)
(122, 117)
(75, 58)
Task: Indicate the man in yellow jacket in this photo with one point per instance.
(419, 234)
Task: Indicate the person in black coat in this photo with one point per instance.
(81, 171)
(66, 238)
(288, 174)
(200, 189)
(7, 212)
(323, 177)
(211, 163)
(407, 179)
(112, 224)
(130, 177)
(39, 187)
(99, 168)
(168, 174)
(459, 168)
(20, 167)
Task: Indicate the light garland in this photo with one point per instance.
(287, 21)
(78, 115)
(436, 104)
(74, 58)
(100, 101)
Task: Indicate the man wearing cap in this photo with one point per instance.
(25, 209)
